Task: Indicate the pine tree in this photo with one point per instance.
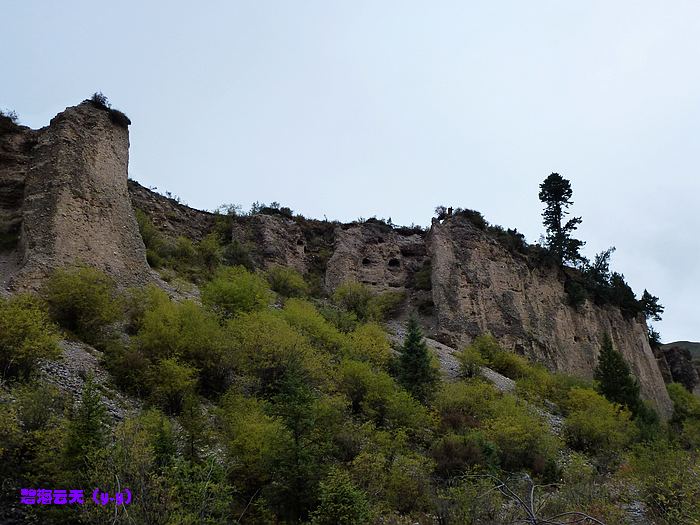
(615, 380)
(555, 193)
(87, 429)
(651, 307)
(415, 371)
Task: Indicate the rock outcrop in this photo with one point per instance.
(677, 366)
(376, 255)
(480, 286)
(75, 205)
(64, 198)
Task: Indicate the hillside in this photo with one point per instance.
(693, 348)
(264, 367)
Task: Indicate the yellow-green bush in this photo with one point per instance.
(595, 425)
(521, 436)
(234, 290)
(255, 442)
(303, 316)
(669, 480)
(83, 300)
(263, 347)
(340, 501)
(510, 365)
(397, 477)
(287, 281)
(487, 346)
(380, 399)
(170, 381)
(470, 361)
(465, 404)
(384, 305)
(685, 421)
(539, 385)
(354, 297)
(369, 342)
(26, 335)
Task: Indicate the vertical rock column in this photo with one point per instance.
(77, 207)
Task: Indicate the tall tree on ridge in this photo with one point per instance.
(555, 193)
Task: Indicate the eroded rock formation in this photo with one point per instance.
(64, 198)
(74, 205)
(480, 286)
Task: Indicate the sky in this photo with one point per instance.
(351, 109)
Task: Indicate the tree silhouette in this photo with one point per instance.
(555, 193)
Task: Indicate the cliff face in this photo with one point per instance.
(479, 286)
(64, 198)
(75, 206)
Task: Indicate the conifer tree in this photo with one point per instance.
(555, 193)
(415, 371)
(87, 428)
(615, 380)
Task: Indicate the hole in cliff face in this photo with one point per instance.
(366, 261)
(394, 263)
(577, 339)
(300, 243)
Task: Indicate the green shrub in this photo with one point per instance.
(184, 251)
(487, 346)
(170, 381)
(39, 405)
(303, 316)
(237, 254)
(343, 320)
(353, 297)
(369, 342)
(422, 278)
(209, 252)
(340, 501)
(470, 361)
(685, 422)
(84, 301)
(595, 425)
(456, 453)
(287, 281)
(465, 404)
(26, 335)
(263, 347)
(522, 438)
(510, 365)
(669, 480)
(152, 239)
(255, 443)
(235, 290)
(385, 305)
(380, 399)
(540, 386)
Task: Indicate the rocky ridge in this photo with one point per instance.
(64, 192)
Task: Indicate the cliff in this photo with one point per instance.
(64, 198)
(68, 199)
(480, 286)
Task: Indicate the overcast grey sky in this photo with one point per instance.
(359, 108)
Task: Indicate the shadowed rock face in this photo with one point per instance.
(76, 206)
(479, 286)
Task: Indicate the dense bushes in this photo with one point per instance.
(596, 426)
(289, 413)
(287, 282)
(26, 335)
(83, 301)
(234, 290)
(364, 303)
